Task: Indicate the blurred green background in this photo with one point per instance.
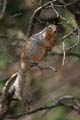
(47, 85)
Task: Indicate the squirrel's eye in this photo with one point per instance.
(49, 28)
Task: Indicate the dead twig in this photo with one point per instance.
(41, 3)
(57, 14)
(62, 5)
(4, 4)
(76, 41)
(64, 54)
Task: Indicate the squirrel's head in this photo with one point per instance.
(51, 31)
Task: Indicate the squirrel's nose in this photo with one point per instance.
(55, 27)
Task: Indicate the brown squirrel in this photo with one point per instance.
(36, 47)
(33, 51)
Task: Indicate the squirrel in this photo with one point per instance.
(36, 47)
(33, 52)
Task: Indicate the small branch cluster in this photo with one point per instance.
(51, 4)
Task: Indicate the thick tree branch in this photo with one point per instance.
(6, 97)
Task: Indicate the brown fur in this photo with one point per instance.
(36, 46)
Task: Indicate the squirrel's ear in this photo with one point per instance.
(47, 24)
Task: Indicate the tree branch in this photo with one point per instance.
(3, 8)
(6, 97)
(66, 101)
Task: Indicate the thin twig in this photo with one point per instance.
(54, 10)
(3, 8)
(64, 54)
(66, 5)
(16, 15)
(41, 3)
(46, 66)
(76, 43)
(59, 15)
